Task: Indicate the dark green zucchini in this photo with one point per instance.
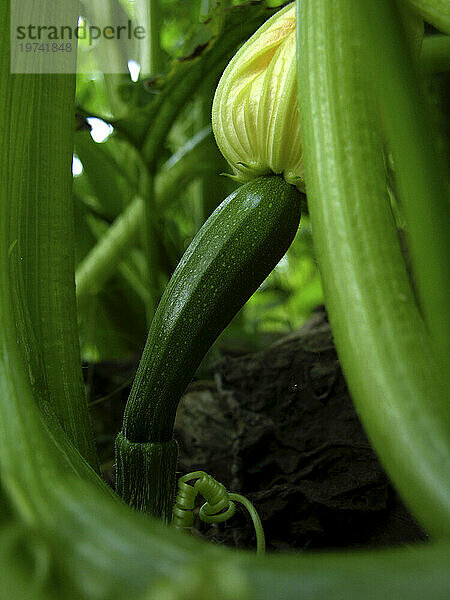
(228, 259)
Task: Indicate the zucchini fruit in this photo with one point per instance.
(231, 255)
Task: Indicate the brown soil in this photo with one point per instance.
(279, 427)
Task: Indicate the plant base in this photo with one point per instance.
(145, 475)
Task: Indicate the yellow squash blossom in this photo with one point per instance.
(255, 116)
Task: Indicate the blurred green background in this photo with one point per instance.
(182, 184)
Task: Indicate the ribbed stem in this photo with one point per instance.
(421, 179)
(382, 341)
(145, 477)
(37, 225)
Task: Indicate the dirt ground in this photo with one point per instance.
(279, 427)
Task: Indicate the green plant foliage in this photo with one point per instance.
(148, 127)
(187, 187)
(109, 182)
(147, 190)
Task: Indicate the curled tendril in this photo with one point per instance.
(219, 505)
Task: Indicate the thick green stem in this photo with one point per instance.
(435, 57)
(420, 175)
(145, 476)
(36, 218)
(101, 262)
(157, 58)
(382, 341)
(436, 12)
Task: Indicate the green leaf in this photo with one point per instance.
(148, 127)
